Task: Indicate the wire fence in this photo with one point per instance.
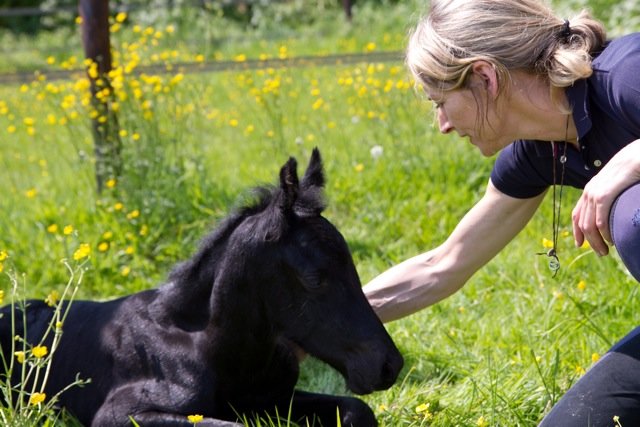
(15, 12)
(21, 77)
(220, 66)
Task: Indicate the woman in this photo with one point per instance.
(501, 71)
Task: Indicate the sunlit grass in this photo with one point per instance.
(500, 352)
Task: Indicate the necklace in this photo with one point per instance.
(554, 262)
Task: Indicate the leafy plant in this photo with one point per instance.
(26, 367)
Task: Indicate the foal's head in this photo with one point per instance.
(309, 289)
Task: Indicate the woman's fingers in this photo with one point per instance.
(590, 223)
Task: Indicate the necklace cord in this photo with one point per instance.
(554, 262)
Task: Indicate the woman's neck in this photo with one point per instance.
(537, 112)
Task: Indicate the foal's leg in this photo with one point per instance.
(324, 408)
(159, 419)
(127, 402)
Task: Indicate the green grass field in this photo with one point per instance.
(498, 353)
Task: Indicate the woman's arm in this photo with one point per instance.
(432, 276)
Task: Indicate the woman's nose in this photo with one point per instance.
(443, 122)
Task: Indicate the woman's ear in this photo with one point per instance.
(485, 73)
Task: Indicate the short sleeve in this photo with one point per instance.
(523, 169)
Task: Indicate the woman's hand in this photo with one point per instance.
(591, 214)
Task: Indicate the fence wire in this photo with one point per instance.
(218, 66)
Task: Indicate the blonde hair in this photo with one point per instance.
(509, 34)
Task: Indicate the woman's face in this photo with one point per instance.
(472, 114)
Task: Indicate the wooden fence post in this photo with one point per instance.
(105, 129)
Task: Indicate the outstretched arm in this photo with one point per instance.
(432, 276)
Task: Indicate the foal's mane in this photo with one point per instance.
(214, 241)
(276, 205)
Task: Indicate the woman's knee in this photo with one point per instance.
(624, 222)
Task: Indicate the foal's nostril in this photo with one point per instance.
(390, 370)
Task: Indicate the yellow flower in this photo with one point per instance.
(103, 246)
(118, 206)
(121, 17)
(39, 351)
(482, 422)
(52, 298)
(31, 193)
(176, 79)
(3, 255)
(1, 294)
(83, 251)
(424, 407)
(585, 245)
(37, 398)
(107, 235)
(133, 214)
(424, 410)
(595, 357)
(68, 229)
(19, 356)
(53, 228)
(582, 285)
(359, 167)
(126, 270)
(546, 243)
(112, 182)
(195, 419)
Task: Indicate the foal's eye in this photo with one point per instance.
(312, 281)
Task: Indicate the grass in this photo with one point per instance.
(500, 352)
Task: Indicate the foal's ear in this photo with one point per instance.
(314, 176)
(289, 183)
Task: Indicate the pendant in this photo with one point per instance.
(554, 262)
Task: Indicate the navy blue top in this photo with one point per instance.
(606, 111)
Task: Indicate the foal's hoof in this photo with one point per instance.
(356, 413)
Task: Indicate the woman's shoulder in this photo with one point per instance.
(621, 50)
(615, 81)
